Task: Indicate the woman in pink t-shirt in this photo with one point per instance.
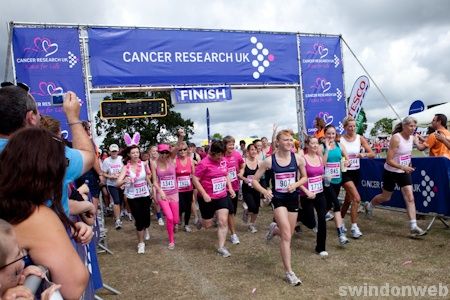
(184, 171)
(212, 182)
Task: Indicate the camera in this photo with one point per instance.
(58, 99)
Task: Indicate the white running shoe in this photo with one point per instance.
(356, 233)
(323, 254)
(141, 248)
(269, 234)
(329, 216)
(118, 224)
(187, 228)
(252, 228)
(234, 239)
(417, 231)
(343, 240)
(223, 252)
(292, 279)
(160, 222)
(171, 246)
(147, 235)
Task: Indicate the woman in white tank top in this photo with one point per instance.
(350, 179)
(397, 170)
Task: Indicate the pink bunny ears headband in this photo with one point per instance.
(132, 141)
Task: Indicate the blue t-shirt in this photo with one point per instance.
(73, 171)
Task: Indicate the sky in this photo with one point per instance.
(402, 44)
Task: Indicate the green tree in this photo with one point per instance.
(152, 130)
(217, 136)
(382, 126)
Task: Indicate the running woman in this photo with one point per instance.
(184, 170)
(350, 179)
(249, 194)
(211, 180)
(333, 154)
(153, 157)
(136, 176)
(287, 167)
(311, 193)
(235, 164)
(111, 167)
(165, 183)
(397, 170)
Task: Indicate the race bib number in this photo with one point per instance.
(140, 189)
(283, 180)
(315, 184)
(167, 183)
(115, 169)
(354, 162)
(333, 169)
(219, 185)
(232, 174)
(184, 182)
(405, 160)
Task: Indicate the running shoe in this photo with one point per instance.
(269, 234)
(123, 213)
(252, 228)
(160, 222)
(292, 279)
(343, 240)
(368, 208)
(356, 233)
(171, 246)
(234, 239)
(223, 252)
(147, 235)
(329, 216)
(187, 228)
(417, 231)
(118, 224)
(323, 254)
(141, 248)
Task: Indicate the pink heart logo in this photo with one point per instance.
(327, 118)
(323, 52)
(325, 85)
(48, 88)
(49, 47)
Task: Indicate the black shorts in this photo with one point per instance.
(290, 201)
(116, 194)
(351, 175)
(234, 201)
(392, 178)
(208, 209)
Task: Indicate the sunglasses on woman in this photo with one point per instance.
(24, 256)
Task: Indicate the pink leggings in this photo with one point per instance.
(170, 210)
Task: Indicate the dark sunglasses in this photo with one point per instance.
(19, 84)
(164, 152)
(184, 149)
(24, 257)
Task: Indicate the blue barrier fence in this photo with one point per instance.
(431, 184)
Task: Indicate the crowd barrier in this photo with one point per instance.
(431, 185)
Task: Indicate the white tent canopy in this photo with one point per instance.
(425, 117)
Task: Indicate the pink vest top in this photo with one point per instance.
(184, 175)
(167, 178)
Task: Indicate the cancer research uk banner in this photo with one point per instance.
(322, 80)
(48, 60)
(123, 57)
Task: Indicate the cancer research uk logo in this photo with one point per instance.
(262, 57)
(429, 190)
(322, 88)
(320, 55)
(44, 51)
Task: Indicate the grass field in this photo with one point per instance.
(383, 255)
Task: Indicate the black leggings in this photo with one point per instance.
(252, 199)
(331, 194)
(140, 209)
(309, 220)
(185, 205)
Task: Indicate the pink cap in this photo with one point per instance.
(163, 147)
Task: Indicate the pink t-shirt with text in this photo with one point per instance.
(213, 177)
(234, 162)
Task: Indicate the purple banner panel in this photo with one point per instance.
(49, 61)
(322, 80)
